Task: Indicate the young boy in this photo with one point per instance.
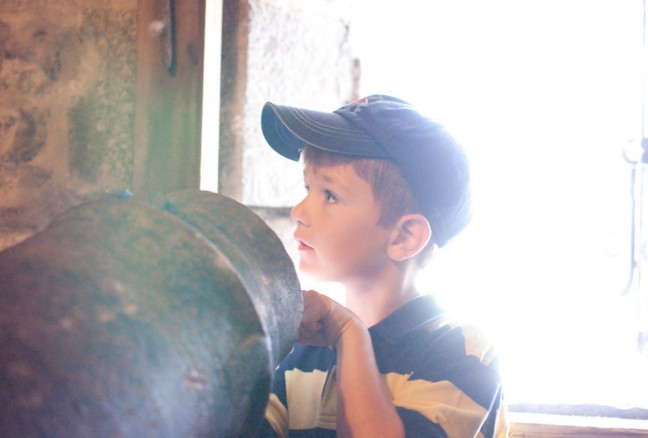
(385, 185)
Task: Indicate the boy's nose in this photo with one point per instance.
(297, 214)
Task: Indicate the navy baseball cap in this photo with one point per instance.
(434, 165)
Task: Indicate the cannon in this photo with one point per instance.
(162, 317)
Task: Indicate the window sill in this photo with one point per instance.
(526, 425)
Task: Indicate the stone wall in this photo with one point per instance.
(286, 51)
(67, 80)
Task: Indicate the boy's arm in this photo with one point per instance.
(364, 405)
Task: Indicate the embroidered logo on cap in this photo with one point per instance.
(357, 105)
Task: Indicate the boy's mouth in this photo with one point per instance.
(303, 246)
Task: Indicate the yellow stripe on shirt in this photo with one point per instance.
(304, 396)
(452, 409)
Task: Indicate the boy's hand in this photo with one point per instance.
(324, 320)
(364, 404)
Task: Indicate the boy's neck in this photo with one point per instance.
(372, 300)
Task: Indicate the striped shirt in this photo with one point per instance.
(443, 379)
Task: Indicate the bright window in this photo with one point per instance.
(546, 95)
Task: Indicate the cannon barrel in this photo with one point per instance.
(127, 318)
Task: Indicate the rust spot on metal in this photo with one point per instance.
(195, 378)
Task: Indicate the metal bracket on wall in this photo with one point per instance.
(167, 8)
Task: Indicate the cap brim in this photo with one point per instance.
(287, 129)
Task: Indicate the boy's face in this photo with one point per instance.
(337, 226)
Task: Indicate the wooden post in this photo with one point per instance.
(168, 116)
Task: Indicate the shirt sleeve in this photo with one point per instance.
(451, 389)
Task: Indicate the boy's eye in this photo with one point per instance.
(330, 197)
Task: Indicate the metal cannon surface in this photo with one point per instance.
(161, 318)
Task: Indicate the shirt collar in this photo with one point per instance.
(414, 314)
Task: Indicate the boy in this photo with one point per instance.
(384, 186)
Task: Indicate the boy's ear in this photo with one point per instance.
(410, 235)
